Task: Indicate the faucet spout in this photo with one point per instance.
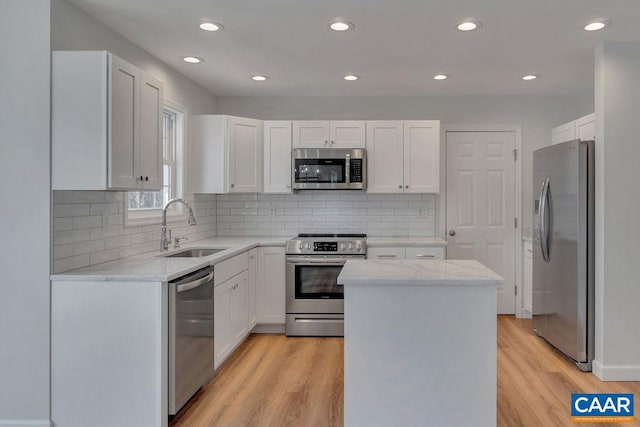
(164, 241)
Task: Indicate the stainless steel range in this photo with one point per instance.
(315, 301)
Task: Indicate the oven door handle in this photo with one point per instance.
(302, 260)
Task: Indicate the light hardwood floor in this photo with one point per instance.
(272, 380)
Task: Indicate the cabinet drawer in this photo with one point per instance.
(226, 269)
(393, 252)
(425, 253)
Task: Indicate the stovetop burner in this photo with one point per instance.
(337, 235)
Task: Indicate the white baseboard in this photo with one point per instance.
(616, 372)
(24, 423)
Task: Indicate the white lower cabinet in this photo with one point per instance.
(527, 279)
(271, 285)
(251, 290)
(406, 252)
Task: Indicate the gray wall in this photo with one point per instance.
(536, 115)
(24, 217)
(73, 29)
(617, 102)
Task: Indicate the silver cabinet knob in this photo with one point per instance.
(326, 142)
(452, 233)
(399, 186)
(406, 186)
(233, 185)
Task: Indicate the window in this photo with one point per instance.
(145, 207)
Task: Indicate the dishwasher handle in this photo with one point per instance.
(195, 283)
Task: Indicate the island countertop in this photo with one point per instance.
(418, 272)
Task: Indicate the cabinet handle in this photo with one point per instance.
(146, 178)
(399, 186)
(141, 179)
(332, 142)
(326, 142)
(406, 186)
(386, 256)
(233, 185)
(425, 256)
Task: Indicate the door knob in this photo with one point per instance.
(452, 233)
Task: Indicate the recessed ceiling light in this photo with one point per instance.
(192, 59)
(259, 78)
(597, 25)
(351, 77)
(211, 26)
(440, 77)
(469, 25)
(529, 77)
(341, 26)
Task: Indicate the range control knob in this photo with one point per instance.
(308, 245)
(342, 245)
(300, 245)
(359, 247)
(350, 245)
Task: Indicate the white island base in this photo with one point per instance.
(419, 343)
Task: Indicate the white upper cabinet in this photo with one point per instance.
(225, 155)
(325, 134)
(106, 124)
(403, 157)
(422, 156)
(277, 157)
(586, 127)
(385, 157)
(583, 129)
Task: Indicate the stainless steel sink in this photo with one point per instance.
(194, 253)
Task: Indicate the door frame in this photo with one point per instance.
(517, 200)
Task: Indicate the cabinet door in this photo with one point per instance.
(271, 285)
(277, 157)
(392, 252)
(310, 134)
(563, 133)
(586, 127)
(245, 155)
(222, 328)
(252, 307)
(124, 111)
(238, 309)
(347, 134)
(422, 156)
(148, 150)
(424, 253)
(385, 157)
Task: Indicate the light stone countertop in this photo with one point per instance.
(405, 241)
(418, 272)
(153, 267)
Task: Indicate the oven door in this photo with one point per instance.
(312, 285)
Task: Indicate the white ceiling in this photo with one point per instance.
(396, 47)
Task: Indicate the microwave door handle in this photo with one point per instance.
(347, 170)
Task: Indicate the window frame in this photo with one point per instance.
(176, 212)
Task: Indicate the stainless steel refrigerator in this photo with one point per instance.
(563, 248)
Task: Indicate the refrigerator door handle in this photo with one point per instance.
(542, 217)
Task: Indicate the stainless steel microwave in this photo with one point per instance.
(329, 169)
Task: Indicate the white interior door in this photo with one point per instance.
(481, 204)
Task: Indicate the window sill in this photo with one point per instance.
(135, 219)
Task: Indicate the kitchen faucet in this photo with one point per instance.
(164, 241)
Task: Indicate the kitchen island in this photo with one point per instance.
(420, 343)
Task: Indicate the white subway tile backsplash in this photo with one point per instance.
(88, 227)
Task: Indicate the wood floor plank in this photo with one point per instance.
(272, 380)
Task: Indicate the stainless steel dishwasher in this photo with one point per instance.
(191, 352)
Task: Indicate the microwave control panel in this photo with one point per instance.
(356, 170)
